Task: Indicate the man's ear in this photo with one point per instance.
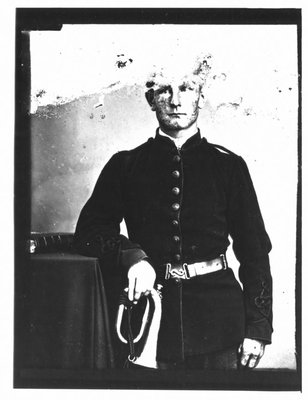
(149, 95)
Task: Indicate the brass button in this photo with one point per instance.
(176, 190)
(177, 257)
(175, 206)
(177, 158)
(176, 174)
(175, 222)
(176, 238)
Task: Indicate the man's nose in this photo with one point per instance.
(175, 98)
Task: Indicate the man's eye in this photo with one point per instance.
(186, 87)
(164, 90)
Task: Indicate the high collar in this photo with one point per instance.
(190, 142)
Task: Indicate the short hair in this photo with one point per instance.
(200, 67)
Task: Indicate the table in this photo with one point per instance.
(66, 321)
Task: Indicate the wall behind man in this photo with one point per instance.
(251, 109)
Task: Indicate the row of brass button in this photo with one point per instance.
(176, 206)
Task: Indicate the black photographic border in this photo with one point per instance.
(29, 19)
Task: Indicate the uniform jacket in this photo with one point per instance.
(182, 206)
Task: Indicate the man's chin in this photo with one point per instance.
(176, 126)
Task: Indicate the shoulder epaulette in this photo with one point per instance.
(136, 149)
(223, 149)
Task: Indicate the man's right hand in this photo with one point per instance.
(141, 279)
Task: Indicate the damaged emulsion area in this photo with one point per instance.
(40, 93)
(44, 106)
(122, 61)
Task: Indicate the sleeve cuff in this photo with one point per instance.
(131, 256)
(260, 330)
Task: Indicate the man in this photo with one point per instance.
(181, 198)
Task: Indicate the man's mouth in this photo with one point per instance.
(176, 114)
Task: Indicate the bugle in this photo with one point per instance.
(149, 329)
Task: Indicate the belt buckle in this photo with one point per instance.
(176, 273)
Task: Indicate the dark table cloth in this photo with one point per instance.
(66, 315)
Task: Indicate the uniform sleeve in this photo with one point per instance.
(251, 246)
(98, 227)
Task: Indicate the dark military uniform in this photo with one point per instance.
(180, 206)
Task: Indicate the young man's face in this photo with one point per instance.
(176, 103)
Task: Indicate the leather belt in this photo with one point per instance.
(187, 271)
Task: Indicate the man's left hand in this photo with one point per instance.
(251, 352)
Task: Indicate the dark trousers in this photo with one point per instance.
(226, 359)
